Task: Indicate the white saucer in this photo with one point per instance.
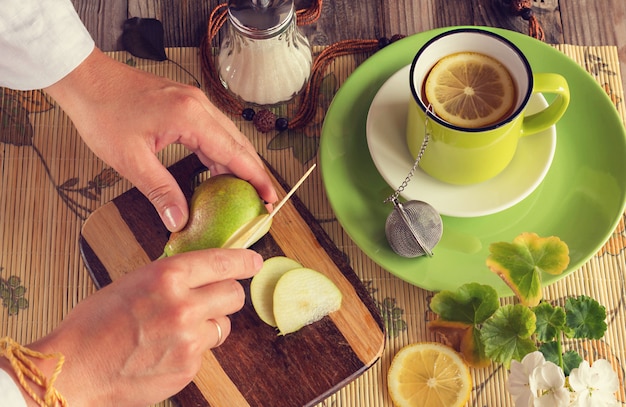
(385, 128)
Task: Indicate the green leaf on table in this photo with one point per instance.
(143, 38)
(471, 303)
(461, 312)
(550, 321)
(585, 317)
(571, 359)
(507, 334)
(550, 351)
(474, 350)
(521, 263)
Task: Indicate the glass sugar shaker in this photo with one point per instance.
(264, 59)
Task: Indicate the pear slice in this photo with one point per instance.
(249, 233)
(263, 284)
(303, 296)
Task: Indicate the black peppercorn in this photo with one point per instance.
(282, 124)
(247, 114)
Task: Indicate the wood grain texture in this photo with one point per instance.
(577, 22)
(130, 255)
(255, 366)
(104, 20)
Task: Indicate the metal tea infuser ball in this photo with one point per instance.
(413, 228)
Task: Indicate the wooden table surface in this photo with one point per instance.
(577, 22)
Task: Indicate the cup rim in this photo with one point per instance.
(501, 123)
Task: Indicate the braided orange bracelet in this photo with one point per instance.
(24, 368)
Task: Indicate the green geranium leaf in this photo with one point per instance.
(521, 263)
(475, 348)
(585, 317)
(550, 321)
(550, 351)
(507, 334)
(471, 303)
(571, 359)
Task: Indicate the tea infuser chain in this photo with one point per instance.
(415, 227)
(394, 197)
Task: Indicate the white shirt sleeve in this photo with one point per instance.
(41, 41)
(10, 394)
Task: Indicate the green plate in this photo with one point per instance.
(581, 199)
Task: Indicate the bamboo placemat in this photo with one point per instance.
(50, 182)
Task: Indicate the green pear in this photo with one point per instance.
(225, 211)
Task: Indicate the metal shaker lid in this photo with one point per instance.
(260, 19)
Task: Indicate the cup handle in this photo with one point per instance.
(547, 83)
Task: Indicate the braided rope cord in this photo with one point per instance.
(24, 369)
(523, 8)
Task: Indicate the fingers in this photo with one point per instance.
(216, 300)
(231, 129)
(222, 146)
(203, 267)
(228, 156)
(220, 330)
(159, 186)
(218, 144)
(214, 292)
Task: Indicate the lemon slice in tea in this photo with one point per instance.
(470, 90)
(428, 374)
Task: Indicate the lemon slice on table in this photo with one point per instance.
(470, 90)
(428, 374)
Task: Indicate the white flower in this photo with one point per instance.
(519, 378)
(533, 382)
(547, 383)
(594, 386)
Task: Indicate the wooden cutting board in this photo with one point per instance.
(255, 366)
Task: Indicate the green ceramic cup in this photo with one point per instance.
(463, 156)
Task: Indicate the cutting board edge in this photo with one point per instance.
(343, 383)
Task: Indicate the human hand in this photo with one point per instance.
(126, 116)
(141, 339)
